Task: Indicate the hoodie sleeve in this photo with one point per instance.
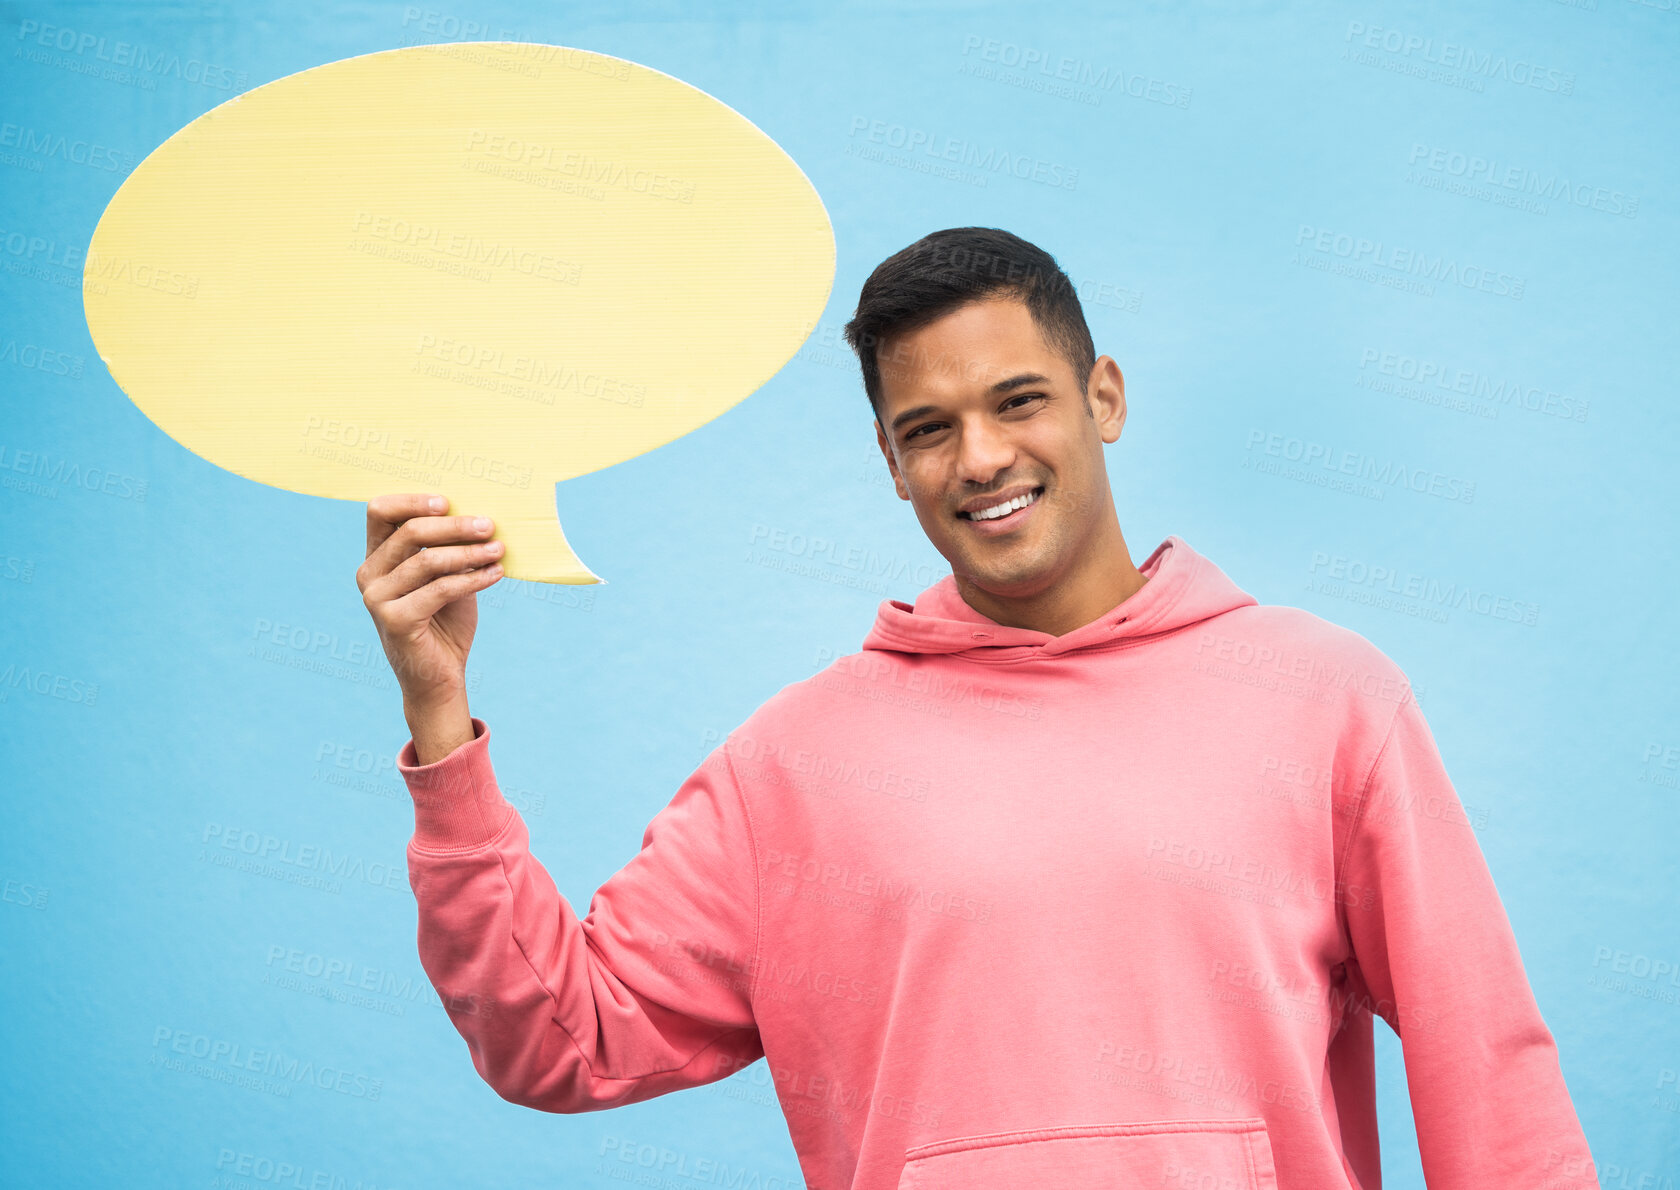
(647, 994)
(1436, 953)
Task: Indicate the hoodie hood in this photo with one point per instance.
(1183, 588)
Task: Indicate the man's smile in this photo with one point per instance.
(996, 517)
(996, 507)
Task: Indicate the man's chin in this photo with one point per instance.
(1006, 578)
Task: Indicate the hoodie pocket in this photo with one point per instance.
(1147, 1155)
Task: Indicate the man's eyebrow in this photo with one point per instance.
(1002, 386)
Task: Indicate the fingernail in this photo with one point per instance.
(481, 523)
(438, 503)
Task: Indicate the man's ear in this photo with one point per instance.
(892, 464)
(1107, 398)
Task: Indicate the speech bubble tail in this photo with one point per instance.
(528, 526)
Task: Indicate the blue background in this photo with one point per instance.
(186, 655)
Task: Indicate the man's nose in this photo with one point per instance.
(983, 451)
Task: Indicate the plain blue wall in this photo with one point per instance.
(1220, 167)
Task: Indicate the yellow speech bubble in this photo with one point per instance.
(474, 268)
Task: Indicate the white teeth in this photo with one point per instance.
(991, 514)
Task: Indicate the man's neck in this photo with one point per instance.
(1109, 581)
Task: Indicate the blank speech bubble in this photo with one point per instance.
(473, 268)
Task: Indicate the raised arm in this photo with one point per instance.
(649, 993)
(652, 991)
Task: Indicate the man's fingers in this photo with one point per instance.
(424, 602)
(386, 513)
(414, 535)
(422, 566)
(427, 533)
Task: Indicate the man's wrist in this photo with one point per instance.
(439, 725)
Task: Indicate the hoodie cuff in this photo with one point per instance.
(457, 803)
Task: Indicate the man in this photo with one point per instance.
(1078, 873)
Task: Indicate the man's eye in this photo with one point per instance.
(933, 425)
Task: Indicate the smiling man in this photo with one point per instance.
(996, 439)
(1077, 873)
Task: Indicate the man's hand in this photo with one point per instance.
(420, 583)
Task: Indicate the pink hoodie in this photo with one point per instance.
(1002, 908)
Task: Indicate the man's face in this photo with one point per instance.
(975, 409)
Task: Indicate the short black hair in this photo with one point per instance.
(948, 269)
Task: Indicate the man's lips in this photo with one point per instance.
(1007, 525)
(1037, 494)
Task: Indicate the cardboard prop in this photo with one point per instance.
(473, 268)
